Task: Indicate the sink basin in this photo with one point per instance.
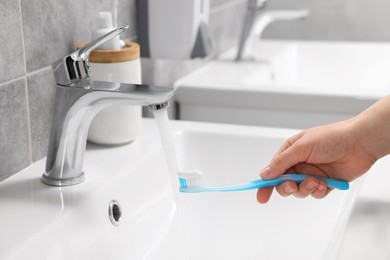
(289, 84)
(158, 222)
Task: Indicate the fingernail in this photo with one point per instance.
(288, 189)
(310, 185)
(321, 188)
(265, 172)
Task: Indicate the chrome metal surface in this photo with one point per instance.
(155, 107)
(252, 11)
(256, 20)
(73, 113)
(115, 212)
(74, 67)
(76, 104)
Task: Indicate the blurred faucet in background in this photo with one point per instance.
(257, 19)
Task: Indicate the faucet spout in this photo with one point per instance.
(73, 113)
(268, 17)
(160, 106)
(256, 22)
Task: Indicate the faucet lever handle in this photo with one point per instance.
(75, 66)
(84, 52)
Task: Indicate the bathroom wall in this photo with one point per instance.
(340, 20)
(35, 33)
(32, 35)
(329, 20)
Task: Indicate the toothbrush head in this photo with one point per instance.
(190, 179)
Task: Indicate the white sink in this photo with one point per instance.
(290, 84)
(42, 222)
(319, 66)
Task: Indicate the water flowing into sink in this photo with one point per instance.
(167, 142)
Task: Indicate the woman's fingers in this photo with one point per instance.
(287, 188)
(281, 162)
(264, 194)
(311, 186)
(321, 191)
(307, 187)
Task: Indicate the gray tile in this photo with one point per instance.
(225, 25)
(215, 3)
(11, 53)
(14, 140)
(127, 16)
(41, 91)
(52, 28)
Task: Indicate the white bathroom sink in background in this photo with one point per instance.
(42, 222)
(316, 66)
(289, 84)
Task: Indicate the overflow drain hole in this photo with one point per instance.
(115, 212)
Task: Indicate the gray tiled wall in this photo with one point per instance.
(35, 33)
(15, 153)
(41, 103)
(11, 54)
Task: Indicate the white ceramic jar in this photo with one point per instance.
(117, 124)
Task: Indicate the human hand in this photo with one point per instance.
(333, 151)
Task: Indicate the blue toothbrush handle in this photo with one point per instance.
(299, 178)
(262, 183)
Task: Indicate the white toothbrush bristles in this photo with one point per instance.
(190, 179)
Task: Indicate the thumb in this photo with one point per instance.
(284, 160)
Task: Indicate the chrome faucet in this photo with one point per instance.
(257, 19)
(78, 99)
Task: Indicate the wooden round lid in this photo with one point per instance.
(128, 53)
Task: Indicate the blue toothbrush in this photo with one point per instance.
(192, 182)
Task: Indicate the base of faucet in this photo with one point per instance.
(63, 182)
